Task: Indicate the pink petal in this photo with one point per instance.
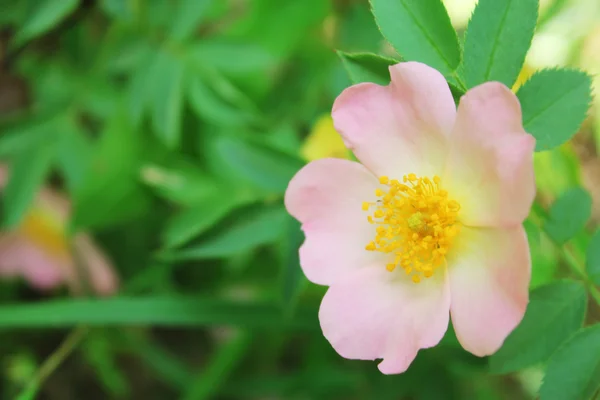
(490, 165)
(399, 128)
(98, 269)
(489, 280)
(326, 196)
(20, 257)
(375, 314)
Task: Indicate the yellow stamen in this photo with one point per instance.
(43, 229)
(416, 222)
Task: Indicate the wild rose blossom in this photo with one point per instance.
(428, 226)
(40, 250)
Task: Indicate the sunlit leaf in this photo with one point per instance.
(555, 103)
(497, 39)
(420, 30)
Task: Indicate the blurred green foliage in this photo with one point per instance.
(174, 128)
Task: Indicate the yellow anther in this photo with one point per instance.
(416, 224)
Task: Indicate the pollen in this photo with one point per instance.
(416, 223)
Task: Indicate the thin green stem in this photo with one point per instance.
(578, 269)
(53, 362)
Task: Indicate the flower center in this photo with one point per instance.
(416, 222)
(46, 231)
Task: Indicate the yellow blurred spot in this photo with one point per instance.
(45, 230)
(524, 75)
(323, 141)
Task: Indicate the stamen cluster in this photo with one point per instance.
(416, 222)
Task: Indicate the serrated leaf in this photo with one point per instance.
(264, 167)
(497, 39)
(45, 16)
(246, 230)
(592, 261)
(110, 191)
(167, 99)
(554, 103)
(27, 174)
(568, 215)
(555, 312)
(181, 182)
(208, 105)
(367, 67)
(573, 372)
(420, 30)
(188, 16)
(192, 222)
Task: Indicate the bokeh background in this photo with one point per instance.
(145, 146)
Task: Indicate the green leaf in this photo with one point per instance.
(45, 16)
(246, 229)
(180, 182)
(555, 103)
(167, 99)
(111, 192)
(188, 15)
(497, 39)
(367, 67)
(568, 215)
(222, 363)
(140, 95)
(292, 277)
(420, 30)
(592, 262)
(27, 174)
(155, 311)
(554, 313)
(192, 222)
(74, 152)
(573, 372)
(211, 107)
(100, 353)
(264, 167)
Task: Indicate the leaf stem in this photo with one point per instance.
(54, 361)
(577, 268)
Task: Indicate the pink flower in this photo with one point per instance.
(428, 226)
(40, 250)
